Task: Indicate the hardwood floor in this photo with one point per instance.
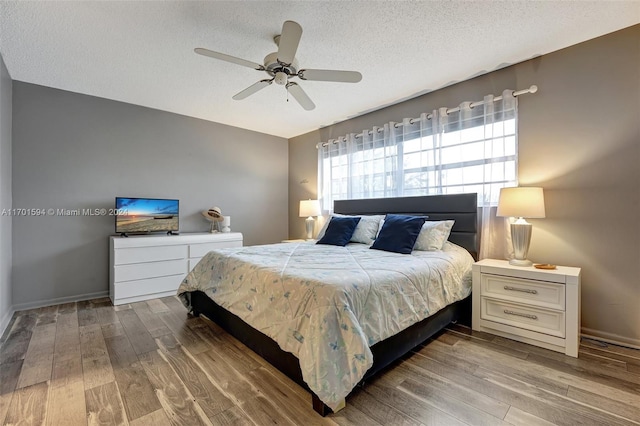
(149, 363)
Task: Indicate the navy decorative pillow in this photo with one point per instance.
(399, 233)
(339, 231)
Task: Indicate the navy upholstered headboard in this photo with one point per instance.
(463, 208)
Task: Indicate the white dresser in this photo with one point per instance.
(150, 266)
(535, 306)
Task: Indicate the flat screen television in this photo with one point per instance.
(146, 215)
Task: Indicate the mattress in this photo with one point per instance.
(327, 305)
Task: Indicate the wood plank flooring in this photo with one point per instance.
(150, 363)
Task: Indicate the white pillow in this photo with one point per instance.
(365, 232)
(380, 225)
(433, 235)
(367, 229)
(324, 228)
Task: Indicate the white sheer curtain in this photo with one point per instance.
(472, 148)
(353, 167)
(501, 140)
(333, 173)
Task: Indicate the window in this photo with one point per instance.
(464, 161)
(463, 151)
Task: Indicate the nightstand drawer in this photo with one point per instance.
(531, 292)
(523, 316)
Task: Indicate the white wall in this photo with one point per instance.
(5, 195)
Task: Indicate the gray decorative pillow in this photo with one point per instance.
(433, 235)
(367, 229)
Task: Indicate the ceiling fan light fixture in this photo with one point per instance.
(283, 64)
(281, 78)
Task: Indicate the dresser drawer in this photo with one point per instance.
(530, 292)
(124, 290)
(199, 250)
(141, 271)
(125, 256)
(523, 316)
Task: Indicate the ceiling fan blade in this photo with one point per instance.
(289, 40)
(300, 96)
(330, 75)
(228, 58)
(252, 89)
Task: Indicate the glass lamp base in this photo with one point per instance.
(520, 262)
(309, 227)
(520, 237)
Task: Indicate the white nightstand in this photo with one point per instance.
(535, 306)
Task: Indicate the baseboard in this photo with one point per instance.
(615, 339)
(59, 300)
(6, 320)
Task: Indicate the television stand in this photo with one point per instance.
(149, 266)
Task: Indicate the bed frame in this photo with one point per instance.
(460, 207)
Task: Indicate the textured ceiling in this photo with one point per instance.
(142, 52)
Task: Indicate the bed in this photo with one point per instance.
(342, 334)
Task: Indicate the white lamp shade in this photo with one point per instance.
(310, 208)
(521, 202)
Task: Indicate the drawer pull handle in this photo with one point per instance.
(508, 312)
(524, 290)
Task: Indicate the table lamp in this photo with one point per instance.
(308, 209)
(521, 202)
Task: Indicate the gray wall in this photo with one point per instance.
(5, 195)
(579, 138)
(76, 151)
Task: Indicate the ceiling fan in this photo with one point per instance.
(282, 66)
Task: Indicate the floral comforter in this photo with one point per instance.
(327, 305)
